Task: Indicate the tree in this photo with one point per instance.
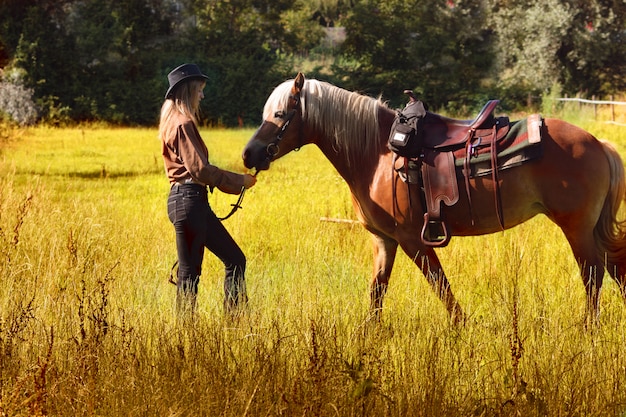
(119, 43)
(108, 59)
(437, 48)
(238, 44)
(574, 43)
(377, 60)
(453, 53)
(45, 54)
(593, 53)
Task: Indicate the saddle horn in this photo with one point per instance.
(411, 95)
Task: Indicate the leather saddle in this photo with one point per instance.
(443, 132)
(442, 140)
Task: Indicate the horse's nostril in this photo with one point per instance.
(246, 156)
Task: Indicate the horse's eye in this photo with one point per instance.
(279, 114)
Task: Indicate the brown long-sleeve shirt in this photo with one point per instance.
(186, 156)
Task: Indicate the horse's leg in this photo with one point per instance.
(591, 269)
(428, 262)
(592, 274)
(384, 254)
(621, 283)
(610, 231)
(615, 265)
(620, 278)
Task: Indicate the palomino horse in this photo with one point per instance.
(578, 183)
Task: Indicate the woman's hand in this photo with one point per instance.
(248, 180)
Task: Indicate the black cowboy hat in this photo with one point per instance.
(182, 73)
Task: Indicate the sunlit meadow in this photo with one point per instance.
(87, 322)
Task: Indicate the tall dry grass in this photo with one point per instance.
(87, 322)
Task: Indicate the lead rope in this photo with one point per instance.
(234, 209)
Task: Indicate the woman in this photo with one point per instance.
(189, 172)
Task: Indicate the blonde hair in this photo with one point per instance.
(185, 100)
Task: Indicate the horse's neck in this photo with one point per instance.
(358, 174)
(338, 159)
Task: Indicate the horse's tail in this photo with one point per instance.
(610, 231)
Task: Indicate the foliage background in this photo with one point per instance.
(107, 60)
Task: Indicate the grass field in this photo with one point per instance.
(87, 322)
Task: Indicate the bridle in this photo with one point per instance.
(272, 148)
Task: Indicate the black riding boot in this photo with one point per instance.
(235, 295)
(186, 296)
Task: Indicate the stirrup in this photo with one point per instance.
(434, 232)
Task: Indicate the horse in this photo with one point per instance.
(578, 183)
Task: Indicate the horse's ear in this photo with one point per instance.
(298, 83)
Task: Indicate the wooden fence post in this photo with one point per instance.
(595, 108)
(612, 108)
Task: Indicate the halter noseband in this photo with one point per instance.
(273, 148)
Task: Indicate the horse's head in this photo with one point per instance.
(281, 129)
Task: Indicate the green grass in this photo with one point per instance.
(87, 321)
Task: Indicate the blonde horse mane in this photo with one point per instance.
(348, 118)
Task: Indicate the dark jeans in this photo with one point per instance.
(198, 227)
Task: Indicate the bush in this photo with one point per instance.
(16, 101)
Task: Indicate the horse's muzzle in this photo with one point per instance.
(255, 155)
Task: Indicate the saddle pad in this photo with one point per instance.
(521, 144)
